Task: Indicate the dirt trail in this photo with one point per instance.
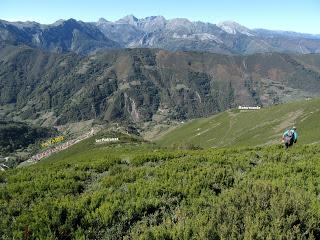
(232, 121)
(288, 120)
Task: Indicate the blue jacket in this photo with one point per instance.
(290, 132)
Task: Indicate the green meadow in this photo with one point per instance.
(249, 128)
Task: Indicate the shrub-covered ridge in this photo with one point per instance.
(141, 192)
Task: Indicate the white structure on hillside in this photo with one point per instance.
(249, 108)
(107, 140)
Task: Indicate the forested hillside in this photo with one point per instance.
(139, 85)
(15, 135)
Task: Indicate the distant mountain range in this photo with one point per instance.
(155, 32)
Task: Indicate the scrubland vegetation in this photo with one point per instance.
(135, 190)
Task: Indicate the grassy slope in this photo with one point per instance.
(251, 128)
(136, 191)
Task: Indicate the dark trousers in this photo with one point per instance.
(288, 141)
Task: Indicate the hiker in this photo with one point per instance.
(289, 137)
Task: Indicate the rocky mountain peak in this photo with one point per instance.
(153, 23)
(129, 19)
(103, 20)
(61, 22)
(232, 27)
(177, 24)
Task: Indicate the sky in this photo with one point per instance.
(289, 15)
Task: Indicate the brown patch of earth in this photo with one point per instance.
(288, 120)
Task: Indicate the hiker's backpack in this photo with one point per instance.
(291, 134)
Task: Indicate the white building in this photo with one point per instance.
(249, 108)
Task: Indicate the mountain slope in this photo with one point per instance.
(62, 36)
(250, 128)
(138, 84)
